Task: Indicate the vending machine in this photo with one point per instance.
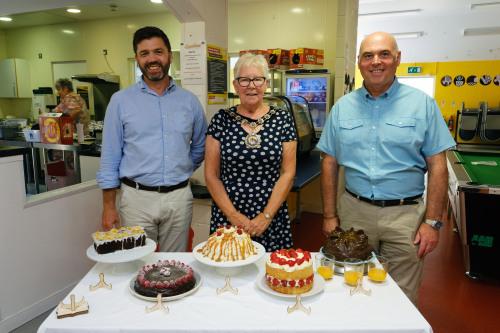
(314, 85)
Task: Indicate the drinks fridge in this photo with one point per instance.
(315, 87)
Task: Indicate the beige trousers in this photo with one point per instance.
(166, 217)
(391, 232)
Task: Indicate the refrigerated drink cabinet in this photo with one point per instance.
(315, 87)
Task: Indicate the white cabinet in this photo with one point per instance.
(16, 78)
(89, 165)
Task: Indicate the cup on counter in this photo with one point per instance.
(325, 263)
(353, 270)
(377, 268)
(79, 133)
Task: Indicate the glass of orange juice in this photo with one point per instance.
(353, 270)
(377, 268)
(324, 265)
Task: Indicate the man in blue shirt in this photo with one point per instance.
(387, 136)
(153, 140)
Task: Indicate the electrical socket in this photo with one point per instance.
(105, 52)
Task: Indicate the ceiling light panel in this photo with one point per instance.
(391, 13)
(484, 5)
(482, 31)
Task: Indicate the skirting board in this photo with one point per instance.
(22, 317)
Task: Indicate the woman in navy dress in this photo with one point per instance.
(250, 160)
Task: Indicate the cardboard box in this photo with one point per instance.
(57, 176)
(56, 128)
(32, 135)
(278, 58)
(263, 52)
(306, 58)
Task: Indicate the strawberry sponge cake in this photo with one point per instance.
(290, 271)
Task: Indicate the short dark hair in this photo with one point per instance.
(61, 83)
(148, 33)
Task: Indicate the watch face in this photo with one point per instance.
(438, 225)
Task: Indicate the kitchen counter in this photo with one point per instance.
(12, 151)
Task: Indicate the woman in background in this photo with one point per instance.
(250, 160)
(72, 104)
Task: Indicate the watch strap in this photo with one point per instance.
(436, 224)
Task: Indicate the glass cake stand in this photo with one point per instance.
(339, 265)
(123, 261)
(229, 268)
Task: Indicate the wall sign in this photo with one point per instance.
(485, 80)
(459, 80)
(446, 80)
(472, 80)
(415, 70)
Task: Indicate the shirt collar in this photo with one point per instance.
(389, 93)
(146, 88)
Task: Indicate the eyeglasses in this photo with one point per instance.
(245, 81)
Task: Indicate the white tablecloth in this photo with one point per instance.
(251, 310)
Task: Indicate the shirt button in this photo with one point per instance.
(166, 156)
(373, 186)
(400, 123)
(164, 116)
(165, 136)
(376, 106)
(373, 127)
(350, 126)
(373, 169)
(373, 149)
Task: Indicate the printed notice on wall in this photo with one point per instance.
(193, 63)
(217, 75)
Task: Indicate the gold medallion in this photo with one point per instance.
(252, 140)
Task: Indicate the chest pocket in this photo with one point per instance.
(350, 130)
(400, 129)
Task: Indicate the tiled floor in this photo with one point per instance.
(449, 301)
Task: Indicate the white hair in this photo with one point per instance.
(251, 60)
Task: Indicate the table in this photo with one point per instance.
(307, 170)
(474, 197)
(251, 310)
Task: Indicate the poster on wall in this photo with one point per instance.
(217, 75)
(84, 92)
(193, 63)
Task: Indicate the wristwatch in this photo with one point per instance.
(267, 216)
(434, 223)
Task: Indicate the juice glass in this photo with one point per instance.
(353, 270)
(377, 268)
(324, 265)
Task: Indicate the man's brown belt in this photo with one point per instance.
(387, 203)
(159, 189)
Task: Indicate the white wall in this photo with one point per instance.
(43, 246)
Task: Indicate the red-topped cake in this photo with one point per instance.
(169, 278)
(228, 243)
(290, 271)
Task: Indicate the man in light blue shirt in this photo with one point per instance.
(387, 136)
(153, 140)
